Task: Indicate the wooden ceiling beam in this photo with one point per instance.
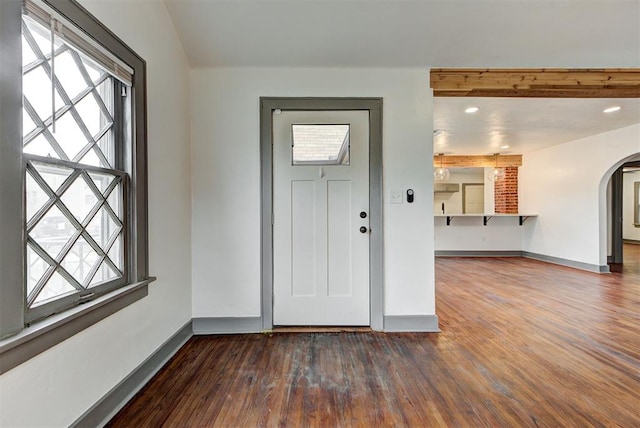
(477, 161)
(539, 83)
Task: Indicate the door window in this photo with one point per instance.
(320, 144)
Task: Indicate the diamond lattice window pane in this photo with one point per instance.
(27, 123)
(105, 91)
(102, 228)
(115, 253)
(79, 261)
(91, 158)
(107, 147)
(105, 273)
(101, 180)
(69, 135)
(36, 268)
(68, 75)
(42, 37)
(27, 53)
(40, 146)
(115, 200)
(79, 199)
(36, 87)
(35, 196)
(55, 287)
(91, 114)
(53, 231)
(84, 102)
(53, 175)
(94, 71)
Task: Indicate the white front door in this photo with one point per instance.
(321, 218)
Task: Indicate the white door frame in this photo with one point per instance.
(374, 106)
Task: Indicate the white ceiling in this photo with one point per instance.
(434, 33)
(524, 124)
(409, 33)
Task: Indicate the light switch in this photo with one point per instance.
(395, 196)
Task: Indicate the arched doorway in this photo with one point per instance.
(612, 243)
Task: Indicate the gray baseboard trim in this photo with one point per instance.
(631, 241)
(566, 262)
(107, 407)
(507, 253)
(478, 253)
(411, 323)
(227, 325)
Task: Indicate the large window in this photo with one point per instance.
(81, 180)
(74, 179)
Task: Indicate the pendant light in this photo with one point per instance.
(495, 173)
(441, 173)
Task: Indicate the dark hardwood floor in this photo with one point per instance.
(523, 343)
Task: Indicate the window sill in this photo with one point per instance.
(47, 333)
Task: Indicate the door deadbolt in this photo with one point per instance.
(363, 214)
(363, 229)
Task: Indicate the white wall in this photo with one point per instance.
(566, 186)
(453, 201)
(226, 180)
(57, 386)
(629, 231)
(470, 234)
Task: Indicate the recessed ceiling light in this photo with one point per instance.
(504, 147)
(471, 109)
(612, 109)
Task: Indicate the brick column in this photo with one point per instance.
(506, 192)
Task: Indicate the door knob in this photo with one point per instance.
(363, 229)
(363, 214)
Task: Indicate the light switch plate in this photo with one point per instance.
(395, 196)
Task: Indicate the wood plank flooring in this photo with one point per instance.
(523, 343)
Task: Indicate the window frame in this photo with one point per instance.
(112, 102)
(19, 342)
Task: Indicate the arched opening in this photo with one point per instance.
(611, 201)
